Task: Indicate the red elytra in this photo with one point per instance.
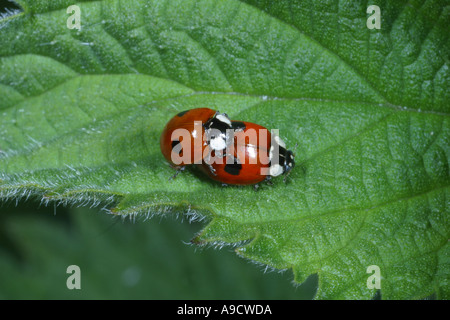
(248, 162)
(173, 145)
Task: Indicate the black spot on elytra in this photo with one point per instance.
(174, 144)
(182, 113)
(233, 168)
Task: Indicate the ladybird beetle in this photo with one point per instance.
(186, 131)
(255, 156)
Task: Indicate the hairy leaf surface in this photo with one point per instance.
(81, 112)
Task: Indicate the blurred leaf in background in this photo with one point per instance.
(124, 260)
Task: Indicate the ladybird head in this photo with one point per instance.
(285, 161)
(289, 163)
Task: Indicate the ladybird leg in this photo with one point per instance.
(285, 176)
(224, 185)
(269, 180)
(178, 170)
(256, 187)
(213, 171)
(207, 161)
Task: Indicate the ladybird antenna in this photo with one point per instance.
(286, 175)
(291, 165)
(295, 147)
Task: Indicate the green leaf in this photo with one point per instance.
(82, 111)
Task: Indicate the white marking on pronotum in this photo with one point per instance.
(217, 143)
(276, 170)
(280, 142)
(223, 118)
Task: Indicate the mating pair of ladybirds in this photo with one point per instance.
(232, 152)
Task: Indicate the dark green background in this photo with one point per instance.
(120, 259)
